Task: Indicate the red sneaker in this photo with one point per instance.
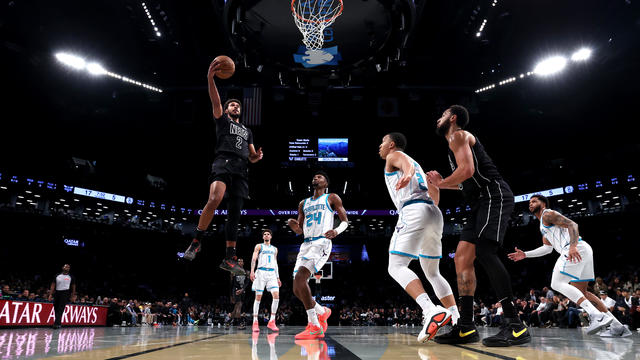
(324, 317)
(255, 327)
(272, 325)
(434, 320)
(311, 332)
(311, 347)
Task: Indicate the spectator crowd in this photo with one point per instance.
(543, 308)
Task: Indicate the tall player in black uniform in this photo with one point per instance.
(491, 203)
(234, 148)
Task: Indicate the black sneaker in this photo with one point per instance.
(459, 334)
(232, 266)
(512, 332)
(193, 249)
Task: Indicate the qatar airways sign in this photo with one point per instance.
(26, 313)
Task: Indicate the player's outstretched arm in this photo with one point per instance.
(555, 218)
(213, 90)
(336, 204)
(254, 258)
(295, 224)
(543, 250)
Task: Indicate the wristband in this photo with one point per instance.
(342, 227)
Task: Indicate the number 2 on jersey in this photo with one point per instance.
(311, 218)
(419, 175)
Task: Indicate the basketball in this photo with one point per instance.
(227, 67)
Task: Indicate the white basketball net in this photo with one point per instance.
(312, 17)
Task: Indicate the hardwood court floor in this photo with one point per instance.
(340, 343)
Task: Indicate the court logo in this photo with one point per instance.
(312, 58)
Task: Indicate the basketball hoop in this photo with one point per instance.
(318, 276)
(312, 17)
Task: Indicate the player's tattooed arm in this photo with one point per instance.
(295, 224)
(557, 219)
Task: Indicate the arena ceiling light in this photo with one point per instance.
(484, 23)
(581, 55)
(153, 23)
(71, 60)
(550, 65)
(96, 69)
(547, 67)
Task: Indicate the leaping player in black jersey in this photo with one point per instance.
(234, 148)
(491, 203)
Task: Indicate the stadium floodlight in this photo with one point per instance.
(71, 60)
(550, 66)
(96, 69)
(581, 55)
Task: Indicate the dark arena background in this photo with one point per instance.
(108, 139)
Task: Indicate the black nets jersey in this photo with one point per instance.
(239, 282)
(484, 174)
(232, 138)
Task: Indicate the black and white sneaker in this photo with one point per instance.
(512, 332)
(193, 249)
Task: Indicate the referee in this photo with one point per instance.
(229, 175)
(63, 289)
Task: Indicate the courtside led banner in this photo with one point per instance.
(28, 313)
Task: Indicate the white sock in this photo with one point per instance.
(274, 308)
(615, 321)
(319, 309)
(312, 317)
(590, 309)
(424, 302)
(256, 308)
(455, 314)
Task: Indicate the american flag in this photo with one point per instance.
(252, 106)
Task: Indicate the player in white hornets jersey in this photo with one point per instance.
(315, 220)
(418, 234)
(574, 266)
(266, 275)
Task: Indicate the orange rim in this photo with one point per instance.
(293, 10)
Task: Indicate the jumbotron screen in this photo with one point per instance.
(322, 149)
